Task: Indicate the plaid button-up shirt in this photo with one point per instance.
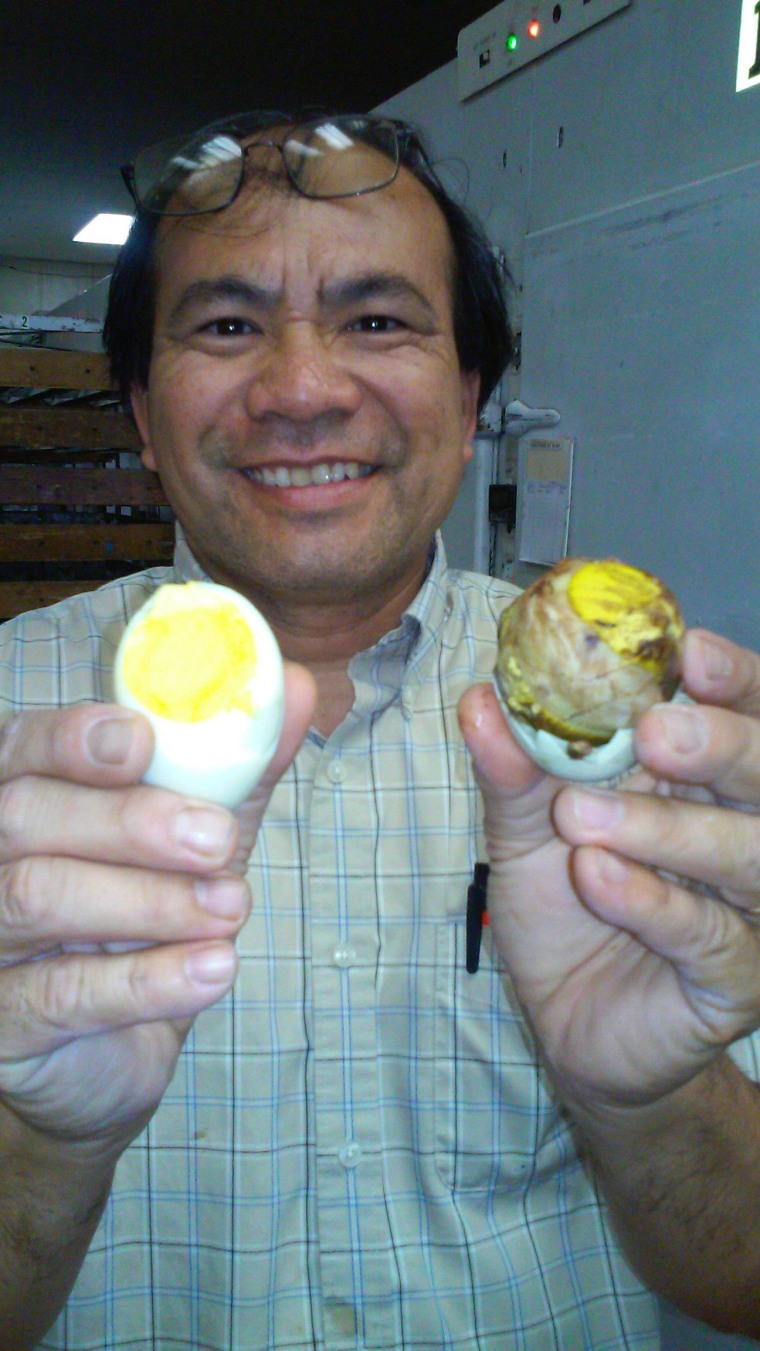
(359, 1148)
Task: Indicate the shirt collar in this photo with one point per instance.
(396, 666)
(432, 605)
(186, 566)
(424, 616)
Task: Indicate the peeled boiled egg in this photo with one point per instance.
(203, 666)
(583, 652)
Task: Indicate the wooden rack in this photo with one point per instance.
(76, 508)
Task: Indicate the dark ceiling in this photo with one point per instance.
(86, 83)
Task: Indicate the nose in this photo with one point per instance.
(300, 377)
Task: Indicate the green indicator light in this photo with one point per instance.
(512, 42)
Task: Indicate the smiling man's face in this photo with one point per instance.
(305, 407)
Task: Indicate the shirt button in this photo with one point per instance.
(350, 1154)
(344, 955)
(336, 771)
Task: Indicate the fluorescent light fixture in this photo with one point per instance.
(104, 228)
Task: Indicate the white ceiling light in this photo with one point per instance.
(104, 228)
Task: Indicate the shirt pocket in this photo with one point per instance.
(491, 1109)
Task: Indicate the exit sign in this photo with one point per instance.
(748, 69)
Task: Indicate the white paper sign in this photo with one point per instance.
(545, 495)
(748, 68)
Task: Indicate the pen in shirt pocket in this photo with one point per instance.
(477, 915)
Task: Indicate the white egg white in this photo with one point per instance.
(223, 757)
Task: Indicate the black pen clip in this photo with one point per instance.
(477, 915)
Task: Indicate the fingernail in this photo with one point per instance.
(204, 830)
(109, 740)
(226, 897)
(715, 659)
(596, 809)
(211, 966)
(684, 729)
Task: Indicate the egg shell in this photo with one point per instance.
(603, 764)
(223, 757)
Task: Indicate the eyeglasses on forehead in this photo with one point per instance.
(325, 157)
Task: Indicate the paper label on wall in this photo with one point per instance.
(748, 66)
(547, 482)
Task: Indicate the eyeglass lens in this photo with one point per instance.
(331, 159)
(195, 176)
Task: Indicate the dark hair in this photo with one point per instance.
(481, 324)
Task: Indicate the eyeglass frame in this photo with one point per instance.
(405, 138)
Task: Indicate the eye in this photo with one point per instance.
(229, 327)
(377, 323)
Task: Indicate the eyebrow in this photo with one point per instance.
(376, 286)
(335, 295)
(233, 288)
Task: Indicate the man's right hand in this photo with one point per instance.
(119, 908)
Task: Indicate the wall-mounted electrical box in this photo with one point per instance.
(517, 32)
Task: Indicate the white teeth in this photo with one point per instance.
(300, 476)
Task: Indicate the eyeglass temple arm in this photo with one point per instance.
(128, 174)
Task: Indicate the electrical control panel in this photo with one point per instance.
(517, 32)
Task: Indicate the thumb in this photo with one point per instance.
(300, 702)
(500, 764)
(516, 793)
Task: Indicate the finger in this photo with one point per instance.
(499, 762)
(147, 826)
(714, 947)
(498, 759)
(97, 744)
(45, 1004)
(690, 743)
(717, 671)
(47, 903)
(708, 844)
(516, 792)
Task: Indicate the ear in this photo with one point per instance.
(470, 392)
(138, 398)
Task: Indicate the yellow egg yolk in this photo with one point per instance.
(628, 608)
(189, 660)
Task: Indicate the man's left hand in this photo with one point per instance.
(627, 918)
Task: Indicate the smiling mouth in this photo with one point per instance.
(303, 476)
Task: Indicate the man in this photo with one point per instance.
(361, 1144)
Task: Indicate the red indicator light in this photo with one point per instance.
(534, 28)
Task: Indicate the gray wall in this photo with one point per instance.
(635, 246)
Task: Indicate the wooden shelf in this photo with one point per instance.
(71, 487)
